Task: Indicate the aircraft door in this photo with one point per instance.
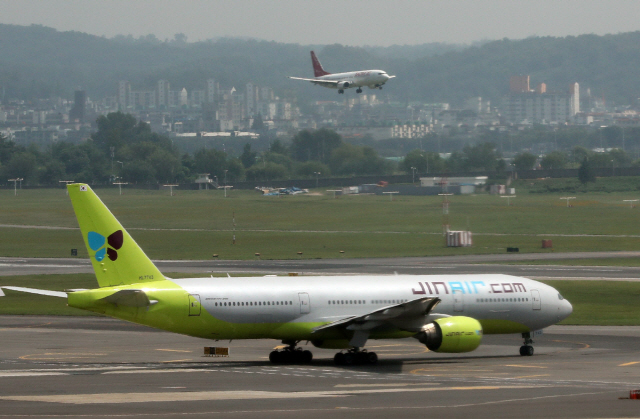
(535, 298)
(194, 305)
(305, 306)
(458, 301)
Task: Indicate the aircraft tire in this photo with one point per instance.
(275, 357)
(371, 358)
(526, 350)
(339, 359)
(306, 357)
(349, 358)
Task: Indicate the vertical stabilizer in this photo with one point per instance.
(317, 67)
(116, 257)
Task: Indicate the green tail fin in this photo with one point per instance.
(116, 257)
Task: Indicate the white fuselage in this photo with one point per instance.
(370, 78)
(492, 299)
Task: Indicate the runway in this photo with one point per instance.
(416, 265)
(74, 367)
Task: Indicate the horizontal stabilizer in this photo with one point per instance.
(130, 298)
(35, 291)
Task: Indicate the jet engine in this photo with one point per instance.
(451, 334)
(344, 84)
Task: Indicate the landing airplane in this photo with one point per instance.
(447, 313)
(371, 78)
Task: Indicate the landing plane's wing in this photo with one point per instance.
(328, 83)
(407, 316)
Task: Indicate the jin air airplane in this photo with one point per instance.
(446, 313)
(371, 78)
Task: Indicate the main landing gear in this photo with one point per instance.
(355, 357)
(291, 355)
(526, 349)
(358, 90)
(340, 91)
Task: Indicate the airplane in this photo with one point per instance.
(446, 313)
(371, 78)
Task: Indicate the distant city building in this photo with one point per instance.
(77, 113)
(524, 105)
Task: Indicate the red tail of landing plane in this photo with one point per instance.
(318, 71)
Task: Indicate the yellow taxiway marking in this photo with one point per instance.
(629, 363)
(116, 398)
(381, 385)
(176, 360)
(586, 345)
(56, 355)
(525, 366)
(531, 376)
(25, 327)
(173, 350)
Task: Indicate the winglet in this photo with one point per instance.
(318, 71)
(116, 257)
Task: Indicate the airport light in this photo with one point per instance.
(120, 185)
(225, 182)
(334, 192)
(391, 194)
(508, 198)
(171, 188)
(15, 185)
(631, 201)
(413, 171)
(568, 198)
(317, 174)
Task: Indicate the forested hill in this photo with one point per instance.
(36, 61)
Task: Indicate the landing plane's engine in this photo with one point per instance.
(344, 84)
(451, 334)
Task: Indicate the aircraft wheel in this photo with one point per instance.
(275, 357)
(340, 91)
(359, 91)
(349, 358)
(339, 359)
(371, 358)
(526, 350)
(306, 357)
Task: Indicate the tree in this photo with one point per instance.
(310, 168)
(524, 161)
(481, 157)
(585, 172)
(554, 160)
(315, 145)
(248, 157)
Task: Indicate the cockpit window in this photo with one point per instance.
(560, 297)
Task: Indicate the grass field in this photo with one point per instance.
(594, 302)
(197, 224)
(624, 261)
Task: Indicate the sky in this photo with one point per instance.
(347, 22)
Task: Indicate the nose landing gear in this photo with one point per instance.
(291, 355)
(355, 357)
(358, 90)
(526, 349)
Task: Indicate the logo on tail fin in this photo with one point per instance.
(97, 243)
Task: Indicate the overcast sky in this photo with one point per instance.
(348, 22)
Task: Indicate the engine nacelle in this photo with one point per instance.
(451, 334)
(344, 84)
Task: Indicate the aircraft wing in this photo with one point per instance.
(328, 83)
(61, 294)
(408, 316)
